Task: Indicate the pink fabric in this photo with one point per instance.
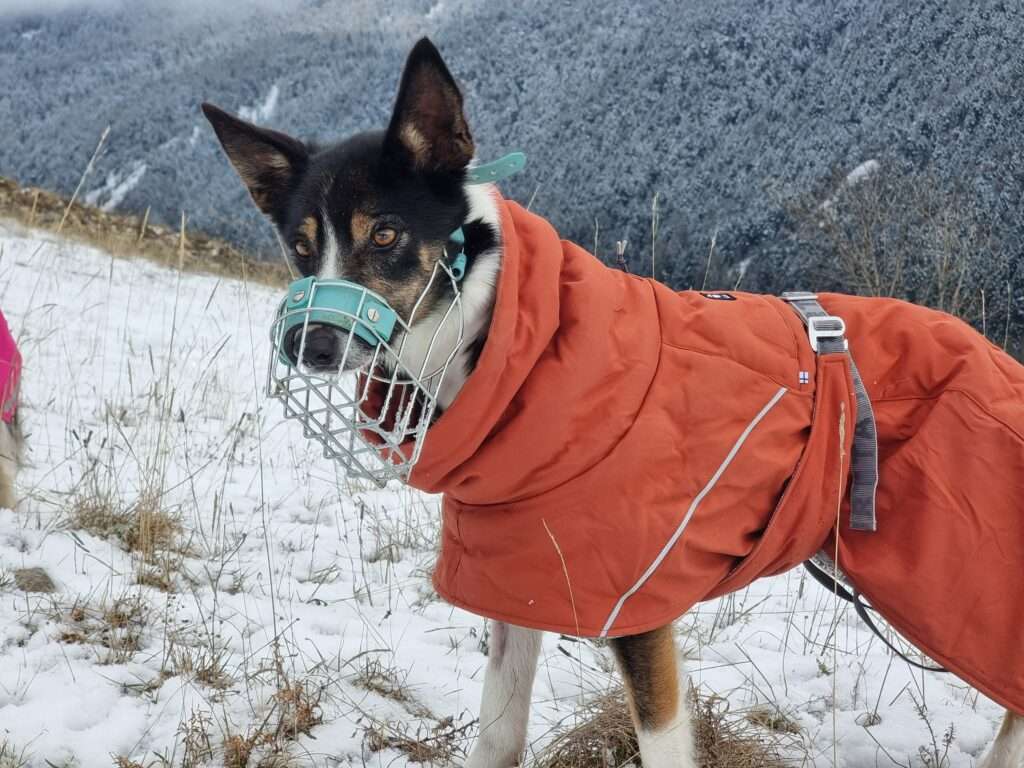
(10, 372)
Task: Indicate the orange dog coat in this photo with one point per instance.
(623, 451)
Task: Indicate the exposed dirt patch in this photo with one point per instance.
(130, 236)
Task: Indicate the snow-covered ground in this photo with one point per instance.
(294, 598)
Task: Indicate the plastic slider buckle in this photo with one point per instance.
(792, 296)
(826, 327)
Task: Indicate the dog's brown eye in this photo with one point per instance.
(384, 237)
(302, 250)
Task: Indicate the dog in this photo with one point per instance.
(378, 209)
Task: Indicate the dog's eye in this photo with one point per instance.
(302, 250)
(385, 237)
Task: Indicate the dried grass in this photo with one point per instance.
(772, 719)
(132, 236)
(294, 711)
(606, 739)
(438, 744)
(152, 527)
(384, 681)
(115, 626)
(196, 744)
(204, 664)
(144, 527)
(298, 708)
(12, 757)
(237, 751)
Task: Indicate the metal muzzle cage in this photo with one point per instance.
(371, 408)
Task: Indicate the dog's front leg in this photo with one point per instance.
(505, 708)
(657, 698)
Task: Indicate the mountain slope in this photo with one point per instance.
(723, 110)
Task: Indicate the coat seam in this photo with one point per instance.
(760, 374)
(958, 391)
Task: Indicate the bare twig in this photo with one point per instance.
(85, 175)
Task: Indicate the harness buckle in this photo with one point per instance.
(826, 327)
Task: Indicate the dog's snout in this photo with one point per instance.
(319, 347)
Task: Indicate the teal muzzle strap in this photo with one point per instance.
(337, 303)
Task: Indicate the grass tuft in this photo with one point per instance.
(298, 706)
(237, 751)
(772, 719)
(144, 527)
(440, 743)
(12, 757)
(606, 739)
(115, 626)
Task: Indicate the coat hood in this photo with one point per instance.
(607, 417)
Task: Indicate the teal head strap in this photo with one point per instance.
(488, 173)
(496, 170)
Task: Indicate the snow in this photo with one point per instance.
(116, 187)
(293, 574)
(261, 113)
(861, 172)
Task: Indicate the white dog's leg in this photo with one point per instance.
(657, 698)
(10, 458)
(505, 709)
(1007, 750)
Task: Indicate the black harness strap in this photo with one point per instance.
(836, 587)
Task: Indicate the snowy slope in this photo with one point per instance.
(287, 578)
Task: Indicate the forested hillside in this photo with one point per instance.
(741, 119)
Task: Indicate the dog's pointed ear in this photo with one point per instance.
(428, 127)
(268, 162)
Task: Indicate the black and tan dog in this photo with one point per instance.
(378, 209)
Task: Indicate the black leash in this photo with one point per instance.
(862, 609)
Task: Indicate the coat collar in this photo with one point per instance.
(522, 326)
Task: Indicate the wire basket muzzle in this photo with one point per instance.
(363, 382)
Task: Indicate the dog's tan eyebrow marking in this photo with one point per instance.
(430, 254)
(361, 226)
(309, 227)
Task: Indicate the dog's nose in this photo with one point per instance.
(321, 350)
